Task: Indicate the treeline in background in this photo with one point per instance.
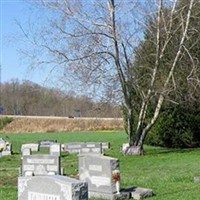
(28, 98)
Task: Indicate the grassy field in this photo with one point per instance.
(168, 172)
(44, 124)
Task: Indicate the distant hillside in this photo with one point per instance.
(28, 98)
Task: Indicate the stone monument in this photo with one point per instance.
(36, 165)
(51, 188)
(102, 175)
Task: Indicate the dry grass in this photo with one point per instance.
(61, 124)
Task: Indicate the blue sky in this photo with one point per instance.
(12, 66)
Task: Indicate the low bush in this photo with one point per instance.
(177, 126)
(4, 121)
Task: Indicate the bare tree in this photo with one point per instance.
(94, 43)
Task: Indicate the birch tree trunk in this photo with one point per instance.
(137, 148)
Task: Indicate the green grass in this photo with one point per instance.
(169, 172)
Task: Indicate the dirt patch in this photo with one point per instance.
(54, 124)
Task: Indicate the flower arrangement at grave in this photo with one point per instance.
(116, 178)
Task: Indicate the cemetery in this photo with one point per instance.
(111, 110)
(67, 168)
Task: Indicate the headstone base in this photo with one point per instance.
(137, 193)
(108, 196)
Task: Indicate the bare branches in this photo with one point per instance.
(161, 96)
(181, 44)
(97, 41)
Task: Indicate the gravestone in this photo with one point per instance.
(40, 165)
(101, 173)
(5, 148)
(46, 143)
(105, 145)
(32, 146)
(91, 148)
(51, 188)
(26, 152)
(83, 147)
(55, 149)
(73, 147)
(124, 147)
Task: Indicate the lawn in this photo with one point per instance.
(169, 172)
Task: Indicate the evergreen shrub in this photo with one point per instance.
(177, 126)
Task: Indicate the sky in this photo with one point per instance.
(12, 66)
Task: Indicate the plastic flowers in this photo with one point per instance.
(116, 175)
